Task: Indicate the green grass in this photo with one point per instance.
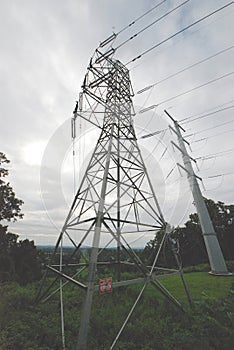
(201, 285)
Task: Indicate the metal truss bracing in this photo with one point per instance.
(115, 202)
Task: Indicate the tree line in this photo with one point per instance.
(190, 240)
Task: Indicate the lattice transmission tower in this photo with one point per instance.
(115, 201)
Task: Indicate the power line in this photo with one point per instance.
(186, 92)
(179, 32)
(206, 110)
(192, 32)
(140, 17)
(209, 137)
(205, 157)
(197, 87)
(185, 69)
(185, 121)
(152, 116)
(213, 127)
(163, 132)
(215, 155)
(113, 36)
(151, 24)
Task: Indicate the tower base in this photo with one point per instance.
(225, 273)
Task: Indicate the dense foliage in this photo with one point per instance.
(155, 324)
(19, 261)
(9, 203)
(190, 239)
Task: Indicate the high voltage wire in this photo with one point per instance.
(187, 36)
(140, 17)
(185, 69)
(151, 24)
(188, 119)
(163, 133)
(213, 127)
(207, 110)
(186, 92)
(215, 155)
(196, 87)
(179, 32)
(112, 37)
(198, 132)
(200, 117)
(209, 137)
(185, 121)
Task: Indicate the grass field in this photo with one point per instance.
(200, 284)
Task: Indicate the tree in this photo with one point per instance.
(19, 261)
(166, 257)
(192, 245)
(222, 217)
(9, 204)
(7, 266)
(190, 238)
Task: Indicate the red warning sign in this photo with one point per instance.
(105, 285)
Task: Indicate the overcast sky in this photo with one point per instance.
(46, 46)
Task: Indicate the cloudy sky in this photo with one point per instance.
(46, 46)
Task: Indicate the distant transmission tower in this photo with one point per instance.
(115, 202)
